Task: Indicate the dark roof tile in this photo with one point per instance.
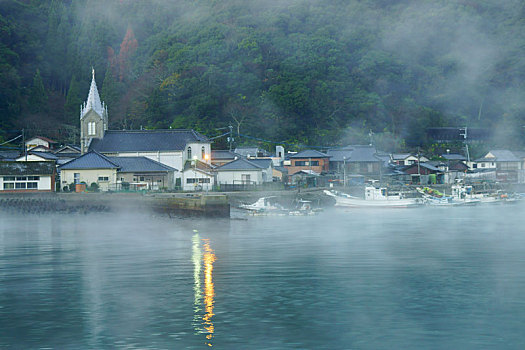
(146, 140)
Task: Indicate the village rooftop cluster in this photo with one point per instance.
(184, 160)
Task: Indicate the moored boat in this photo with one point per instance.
(374, 198)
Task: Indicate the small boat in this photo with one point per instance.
(374, 198)
(263, 204)
(435, 198)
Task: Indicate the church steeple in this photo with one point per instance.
(93, 117)
(93, 101)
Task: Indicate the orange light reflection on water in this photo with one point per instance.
(209, 291)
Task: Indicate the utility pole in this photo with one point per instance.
(24, 143)
(466, 143)
(230, 138)
(418, 167)
(344, 172)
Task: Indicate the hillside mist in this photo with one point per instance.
(308, 72)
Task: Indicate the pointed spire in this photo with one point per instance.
(93, 101)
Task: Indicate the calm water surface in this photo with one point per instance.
(427, 278)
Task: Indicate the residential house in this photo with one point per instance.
(239, 173)
(90, 168)
(221, 157)
(308, 160)
(44, 143)
(138, 173)
(304, 178)
(117, 173)
(36, 156)
(197, 176)
(27, 176)
(357, 160)
(280, 173)
(508, 166)
(267, 166)
(423, 173)
(407, 158)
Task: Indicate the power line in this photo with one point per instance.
(19, 136)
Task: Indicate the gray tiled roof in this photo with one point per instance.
(139, 164)
(309, 153)
(453, 156)
(9, 155)
(45, 155)
(339, 155)
(145, 140)
(68, 149)
(263, 163)
(223, 154)
(502, 155)
(91, 160)
(27, 168)
(240, 164)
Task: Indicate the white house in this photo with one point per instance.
(240, 172)
(39, 141)
(407, 158)
(27, 176)
(90, 168)
(197, 176)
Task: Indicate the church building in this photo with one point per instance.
(172, 147)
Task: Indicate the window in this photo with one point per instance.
(482, 165)
(203, 180)
(20, 185)
(21, 178)
(33, 178)
(32, 185)
(103, 178)
(301, 163)
(142, 178)
(245, 178)
(314, 163)
(203, 152)
(91, 128)
(76, 178)
(189, 153)
(9, 178)
(474, 166)
(190, 181)
(9, 186)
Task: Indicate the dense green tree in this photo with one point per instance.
(37, 94)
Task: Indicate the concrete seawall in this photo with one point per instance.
(85, 203)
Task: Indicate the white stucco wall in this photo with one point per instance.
(36, 142)
(235, 176)
(44, 183)
(191, 174)
(89, 176)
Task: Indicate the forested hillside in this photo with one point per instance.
(308, 72)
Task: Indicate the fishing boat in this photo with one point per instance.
(374, 198)
(264, 205)
(435, 198)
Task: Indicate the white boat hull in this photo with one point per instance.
(353, 202)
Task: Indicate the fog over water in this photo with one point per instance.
(425, 278)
